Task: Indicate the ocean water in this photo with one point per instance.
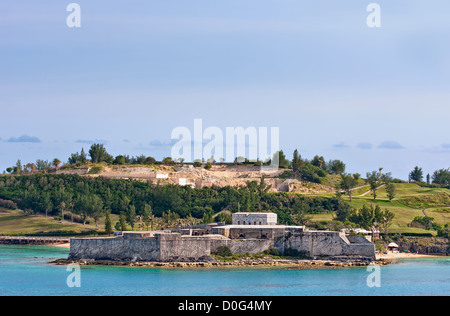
(25, 270)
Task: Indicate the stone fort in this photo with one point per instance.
(250, 233)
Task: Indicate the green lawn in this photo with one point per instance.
(14, 222)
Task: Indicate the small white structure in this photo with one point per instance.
(368, 234)
(162, 176)
(393, 247)
(254, 218)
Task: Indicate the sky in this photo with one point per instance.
(136, 70)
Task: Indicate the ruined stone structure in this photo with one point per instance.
(199, 242)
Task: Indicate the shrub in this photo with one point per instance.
(95, 170)
(197, 164)
(272, 252)
(224, 251)
(424, 222)
(8, 204)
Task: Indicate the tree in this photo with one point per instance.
(122, 221)
(207, 218)
(390, 190)
(318, 161)
(120, 160)
(89, 205)
(441, 177)
(386, 219)
(300, 209)
(428, 179)
(147, 215)
(297, 161)
(99, 154)
(363, 217)
(31, 167)
(170, 218)
(372, 179)
(62, 208)
(83, 157)
(108, 225)
(131, 216)
(96, 208)
(347, 184)
(386, 178)
(150, 160)
(281, 158)
(343, 211)
(42, 164)
(168, 161)
(56, 162)
(46, 203)
(416, 174)
(263, 188)
(336, 167)
(18, 167)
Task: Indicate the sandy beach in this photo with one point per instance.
(66, 245)
(392, 255)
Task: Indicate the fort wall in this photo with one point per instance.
(198, 243)
(326, 244)
(174, 247)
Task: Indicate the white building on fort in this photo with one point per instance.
(255, 219)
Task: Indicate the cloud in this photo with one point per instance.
(24, 139)
(443, 149)
(91, 142)
(341, 145)
(364, 146)
(390, 145)
(158, 143)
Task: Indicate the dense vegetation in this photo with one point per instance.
(95, 197)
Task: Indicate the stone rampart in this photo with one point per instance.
(326, 244)
(242, 246)
(175, 247)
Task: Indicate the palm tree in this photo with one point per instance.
(380, 169)
(62, 206)
(56, 163)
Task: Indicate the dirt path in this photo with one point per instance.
(364, 194)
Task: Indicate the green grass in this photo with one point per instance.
(409, 202)
(15, 222)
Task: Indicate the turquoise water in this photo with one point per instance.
(24, 270)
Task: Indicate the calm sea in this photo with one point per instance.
(24, 270)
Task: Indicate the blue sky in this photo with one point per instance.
(135, 70)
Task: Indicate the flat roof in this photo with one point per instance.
(260, 226)
(259, 213)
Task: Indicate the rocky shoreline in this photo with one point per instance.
(260, 262)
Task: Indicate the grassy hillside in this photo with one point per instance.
(411, 200)
(16, 222)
